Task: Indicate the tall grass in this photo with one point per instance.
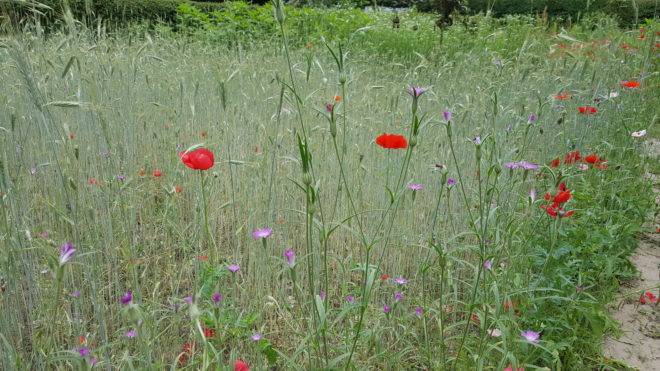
(86, 123)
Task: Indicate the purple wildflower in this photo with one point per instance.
(450, 182)
(262, 233)
(511, 165)
(322, 295)
(488, 264)
(386, 308)
(256, 337)
(33, 170)
(416, 92)
(121, 177)
(44, 235)
(328, 107)
(93, 361)
(531, 118)
(67, 252)
(532, 194)
(106, 154)
(127, 298)
(188, 299)
(43, 271)
(415, 187)
(84, 352)
(350, 299)
(477, 139)
(531, 336)
(130, 334)
(400, 281)
(447, 115)
(290, 256)
(579, 288)
(216, 298)
(527, 165)
(398, 296)
(233, 268)
(419, 312)
(18, 149)
(75, 294)
(509, 128)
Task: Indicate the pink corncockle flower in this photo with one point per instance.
(450, 182)
(398, 296)
(256, 337)
(416, 92)
(322, 295)
(531, 118)
(33, 170)
(400, 281)
(216, 298)
(415, 187)
(494, 332)
(447, 115)
(127, 298)
(488, 264)
(84, 352)
(262, 233)
(44, 271)
(75, 294)
(290, 256)
(67, 252)
(350, 299)
(639, 134)
(121, 177)
(532, 194)
(44, 235)
(386, 308)
(130, 334)
(583, 167)
(419, 311)
(328, 107)
(233, 268)
(531, 336)
(188, 299)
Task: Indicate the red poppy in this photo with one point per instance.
(384, 277)
(157, 174)
(631, 84)
(209, 333)
(642, 300)
(391, 141)
(508, 305)
(187, 351)
(203, 134)
(71, 137)
(256, 149)
(601, 164)
(624, 46)
(641, 37)
(309, 46)
(591, 159)
(562, 197)
(178, 189)
(203, 257)
(241, 366)
(201, 159)
(562, 96)
(93, 181)
(555, 163)
(556, 210)
(141, 172)
(547, 196)
(337, 98)
(562, 186)
(281, 220)
(651, 297)
(587, 110)
(166, 126)
(572, 157)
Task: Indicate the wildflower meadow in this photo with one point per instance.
(412, 198)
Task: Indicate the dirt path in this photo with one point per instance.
(639, 345)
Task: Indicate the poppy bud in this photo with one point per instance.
(498, 169)
(413, 141)
(333, 128)
(307, 178)
(342, 78)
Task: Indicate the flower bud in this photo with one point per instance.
(342, 78)
(307, 178)
(449, 129)
(413, 141)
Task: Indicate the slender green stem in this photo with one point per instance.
(209, 238)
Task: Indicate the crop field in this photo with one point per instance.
(418, 199)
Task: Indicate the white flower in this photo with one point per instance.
(638, 134)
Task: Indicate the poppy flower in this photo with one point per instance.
(587, 110)
(555, 163)
(630, 84)
(209, 333)
(157, 174)
(562, 197)
(337, 98)
(203, 134)
(141, 172)
(384, 277)
(178, 189)
(651, 297)
(392, 141)
(642, 300)
(562, 96)
(201, 159)
(601, 164)
(187, 351)
(591, 159)
(241, 366)
(572, 157)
